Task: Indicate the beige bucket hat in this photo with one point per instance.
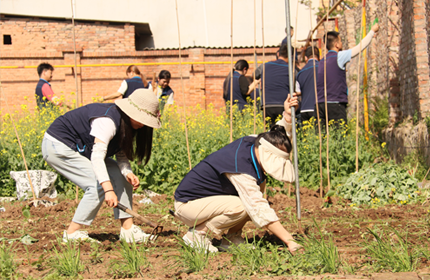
(141, 106)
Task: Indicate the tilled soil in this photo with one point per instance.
(348, 227)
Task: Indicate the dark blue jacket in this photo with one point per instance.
(207, 178)
(277, 84)
(337, 90)
(306, 80)
(238, 98)
(133, 84)
(73, 128)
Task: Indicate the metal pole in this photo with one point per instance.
(293, 113)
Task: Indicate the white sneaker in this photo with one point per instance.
(198, 240)
(78, 235)
(230, 239)
(134, 234)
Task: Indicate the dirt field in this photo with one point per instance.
(347, 225)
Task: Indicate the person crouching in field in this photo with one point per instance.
(225, 190)
(80, 144)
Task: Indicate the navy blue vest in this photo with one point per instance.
(73, 128)
(40, 100)
(165, 93)
(207, 178)
(277, 84)
(306, 80)
(133, 84)
(238, 98)
(337, 90)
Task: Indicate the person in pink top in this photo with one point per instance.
(44, 93)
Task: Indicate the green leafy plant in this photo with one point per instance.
(67, 259)
(192, 259)
(133, 261)
(393, 253)
(380, 184)
(7, 265)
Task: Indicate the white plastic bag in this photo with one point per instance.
(43, 183)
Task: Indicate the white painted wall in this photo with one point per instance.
(202, 22)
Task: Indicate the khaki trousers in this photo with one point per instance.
(219, 213)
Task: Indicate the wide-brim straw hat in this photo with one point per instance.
(142, 106)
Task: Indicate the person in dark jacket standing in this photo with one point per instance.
(305, 84)
(241, 86)
(225, 190)
(135, 81)
(80, 144)
(337, 90)
(276, 85)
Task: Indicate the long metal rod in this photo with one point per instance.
(293, 112)
(128, 64)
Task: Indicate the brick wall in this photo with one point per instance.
(33, 34)
(202, 83)
(398, 58)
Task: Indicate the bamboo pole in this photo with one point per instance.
(19, 142)
(231, 76)
(76, 76)
(182, 86)
(365, 99)
(317, 108)
(255, 65)
(325, 104)
(358, 90)
(263, 87)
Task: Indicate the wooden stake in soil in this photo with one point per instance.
(255, 64)
(76, 75)
(231, 76)
(182, 86)
(19, 143)
(263, 87)
(317, 107)
(358, 89)
(325, 103)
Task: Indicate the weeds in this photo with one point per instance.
(320, 256)
(7, 265)
(96, 255)
(67, 261)
(391, 253)
(133, 260)
(193, 259)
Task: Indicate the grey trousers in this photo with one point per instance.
(79, 170)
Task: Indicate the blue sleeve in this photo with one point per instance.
(343, 57)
